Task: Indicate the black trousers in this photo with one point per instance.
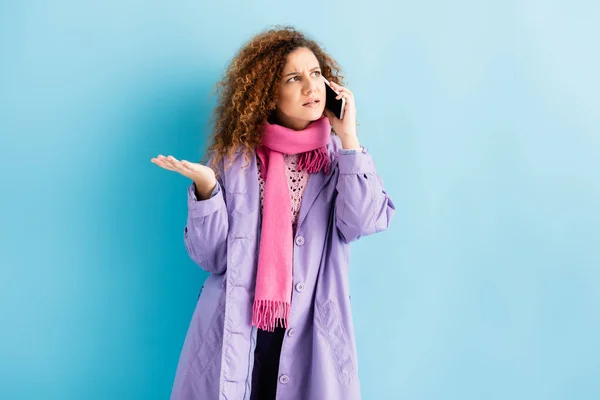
(266, 364)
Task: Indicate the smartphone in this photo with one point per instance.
(331, 103)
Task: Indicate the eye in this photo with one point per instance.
(318, 72)
(293, 77)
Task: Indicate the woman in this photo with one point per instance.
(271, 218)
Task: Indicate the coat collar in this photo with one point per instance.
(246, 180)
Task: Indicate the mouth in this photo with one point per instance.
(312, 103)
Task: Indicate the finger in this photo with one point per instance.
(170, 163)
(160, 161)
(166, 161)
(186, 165)
(346, 91)
(175, 163)
(344, 95)
(173, 160)
(340, 88)
(157, 161)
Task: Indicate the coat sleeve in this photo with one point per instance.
(205, 233)
(362, 206)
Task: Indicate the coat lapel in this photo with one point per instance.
(246, 181)
(316, 183)
(242, 186)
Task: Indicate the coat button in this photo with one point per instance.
(300, 240)
(284, 379)
(300, 287)
(291, 332)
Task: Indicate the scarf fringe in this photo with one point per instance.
(314, 161)
(269, 314)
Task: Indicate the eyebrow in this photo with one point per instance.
(296, 72)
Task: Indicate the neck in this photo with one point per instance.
(290, 123)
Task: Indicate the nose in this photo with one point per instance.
(310, 87)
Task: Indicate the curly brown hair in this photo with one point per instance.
(249, 90)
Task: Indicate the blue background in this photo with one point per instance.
(483, 121)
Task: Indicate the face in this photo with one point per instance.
(301, 91)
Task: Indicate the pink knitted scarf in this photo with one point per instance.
(273, 294)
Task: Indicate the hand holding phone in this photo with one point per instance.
(331, 103)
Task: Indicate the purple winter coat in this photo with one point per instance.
(318, 357)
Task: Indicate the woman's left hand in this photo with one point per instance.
(345, 128)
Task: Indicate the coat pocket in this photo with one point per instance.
(337, 338)
(209, 351)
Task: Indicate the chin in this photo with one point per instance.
(313, 114)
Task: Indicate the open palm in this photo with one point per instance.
(203, 176)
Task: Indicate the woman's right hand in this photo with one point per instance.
(203, 176)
